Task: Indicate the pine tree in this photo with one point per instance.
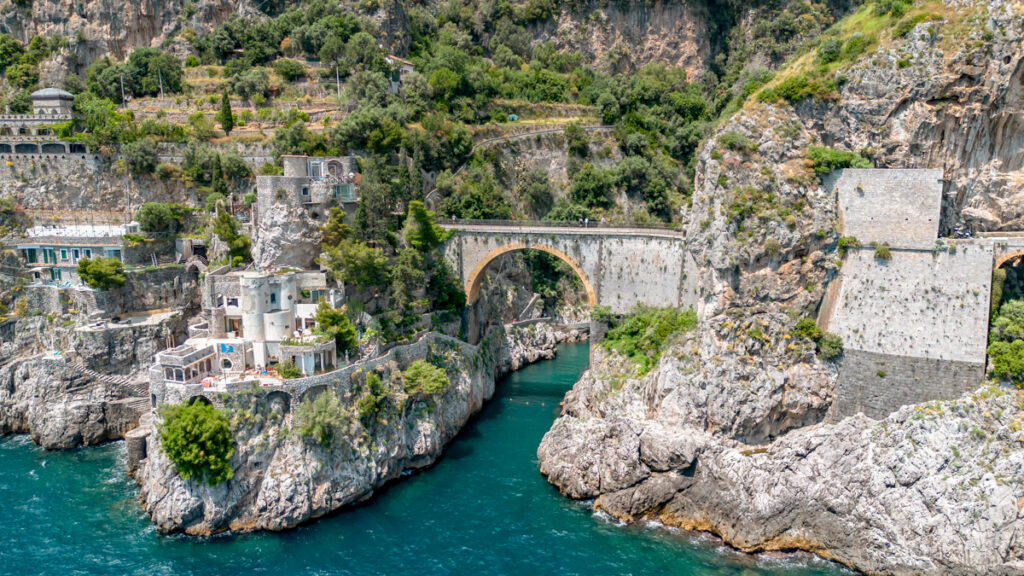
(226, 119)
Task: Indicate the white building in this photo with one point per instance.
(252, 322)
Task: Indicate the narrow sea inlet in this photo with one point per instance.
(484, 508)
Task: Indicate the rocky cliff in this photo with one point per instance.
(930, 490)
(282, 478)
(112, 27)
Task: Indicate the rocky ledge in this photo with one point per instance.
(282, 479)
(61, 406)
(933, 489)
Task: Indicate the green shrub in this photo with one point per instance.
(642, 334)
(102, 273)
(319, 419)
(847, 243)
(830, 346)
(374, 403)
(825, 160)
(1007, 359)
(797, 88)
(807, 328)
(882, 252)
(197, 438)
(772, 247)
(290, 70)
(829, 50)
(856, 45)
(423, 377)
(998, 280)
(736, 142)
(289, 370)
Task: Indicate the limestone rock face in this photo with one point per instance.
(111, 27)
(931, 490)
(287, 237)
(60, 407)
(282, 479)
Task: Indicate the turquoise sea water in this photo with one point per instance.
(483, 509)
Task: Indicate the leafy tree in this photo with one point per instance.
(357, 263)
(421, 231)
(807, 328)
(102, 273)
(290, 70)
(157, 217)
(251, 83)
(535, 190)
(1008, 325)
(335, 229)
(321, 418)
(376, 401)
(566, 211)
(592, 187)
(422, 377)
(20, 102)
(335, 323)
(226, 228)
(148, 68)
(23, 74)
(200, 127)
(830, 346)
(444, 290)
(576, 140)
(477, 199)
(225, 116)
(407, 276)
(197, 438)
(10, 51)
(141, 155)
(1007, 359)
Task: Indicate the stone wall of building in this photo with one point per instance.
(897, 207)
(878, 384)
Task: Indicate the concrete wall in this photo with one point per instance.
(878, 384)
(897, 207)
(620, 270)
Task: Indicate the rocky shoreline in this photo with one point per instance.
(929, 490)
(282, 479)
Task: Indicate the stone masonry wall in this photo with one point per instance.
(878, 384)
(897, 207)
(916, 304)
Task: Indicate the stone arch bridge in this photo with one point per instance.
(619, 267)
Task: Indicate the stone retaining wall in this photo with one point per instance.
(878, 384)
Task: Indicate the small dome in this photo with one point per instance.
(49, 93)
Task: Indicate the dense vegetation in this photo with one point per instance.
(102, 273)
(644, 334)
(320, 418)
(829, 346)
(1006, 342)
(197, 438)
(422, 377)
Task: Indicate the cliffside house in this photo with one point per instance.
(315, 183)
(252, 321)
(26, 134)
(399, 70)
(52, 252)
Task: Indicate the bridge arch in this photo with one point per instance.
(475, 278)
(1008, 257)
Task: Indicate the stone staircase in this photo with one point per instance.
(127, 386)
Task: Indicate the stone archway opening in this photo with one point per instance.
(474, 280)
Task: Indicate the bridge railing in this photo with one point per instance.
(556, 224)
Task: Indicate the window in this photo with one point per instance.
(88, 252)
(273, 298)
(63, 254)
(225, 364)
(315, 170)
(232, 301)
(305, 191)
(30, 255)
(75, 254)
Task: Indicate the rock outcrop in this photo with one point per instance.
(933, 489)
(62, 407)
(282, 479)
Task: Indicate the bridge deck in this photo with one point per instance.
(516, 227)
